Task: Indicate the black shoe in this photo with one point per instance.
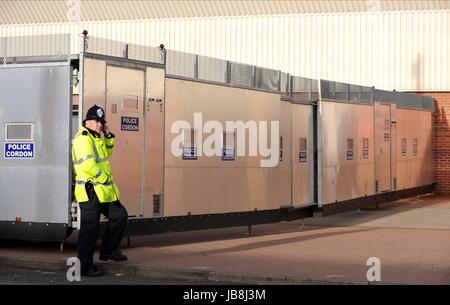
(92, 271)
(116, 256)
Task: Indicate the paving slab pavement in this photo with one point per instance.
(424, 212)
(411, 237)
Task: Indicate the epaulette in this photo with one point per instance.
(84, 133)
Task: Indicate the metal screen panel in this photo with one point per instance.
(428, 103)
(144, 53)
(366, 95)
(341, 92)
(36, 189)
(105, 46)
(354, 93)
(116, 48)
(37, 45)
(180, 64)
(242, 75)
(405, 100)
(328, 89)
(301, 89)
(212, 69)
(267, 79)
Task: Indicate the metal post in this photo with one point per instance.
(254, 76)
(162, 54)
(310, 81)
(249, 230)
(319, 146)
(196, 67)
(83, 48)
(3, 42)
(291, 85)
(315, 152)
(125, 51)
(372, 90)
(279, 80)
(347, 96)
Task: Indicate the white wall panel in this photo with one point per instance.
(403, 50)
(48, 11)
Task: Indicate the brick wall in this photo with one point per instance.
(441, 140)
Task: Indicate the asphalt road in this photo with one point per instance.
(18, 276)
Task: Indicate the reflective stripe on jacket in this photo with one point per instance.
(90, 155)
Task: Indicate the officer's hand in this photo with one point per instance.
(105, 129)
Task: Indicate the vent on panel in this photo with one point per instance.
(19, 132)
(130, 102)
(157, 204)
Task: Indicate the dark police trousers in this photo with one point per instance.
(90, 215)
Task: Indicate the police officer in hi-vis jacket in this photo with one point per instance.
(96, 192)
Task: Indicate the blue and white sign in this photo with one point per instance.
(228, 154)
(19, 151)
(129, 124)
(189, 153)
(302, 157)
(349, 154)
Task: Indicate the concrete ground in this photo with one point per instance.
(10, 275)
(411, 237)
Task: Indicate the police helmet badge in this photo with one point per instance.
(100, 113)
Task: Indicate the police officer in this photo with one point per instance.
(96, 192)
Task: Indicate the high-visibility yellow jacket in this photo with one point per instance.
(90, 153)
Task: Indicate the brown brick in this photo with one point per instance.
(441, 140)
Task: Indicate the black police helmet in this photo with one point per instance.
(96, 113)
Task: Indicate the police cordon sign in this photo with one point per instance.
(130, 124)
(19, 151)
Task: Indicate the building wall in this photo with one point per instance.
(402, 50)
(441, 140)
(97, 10)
